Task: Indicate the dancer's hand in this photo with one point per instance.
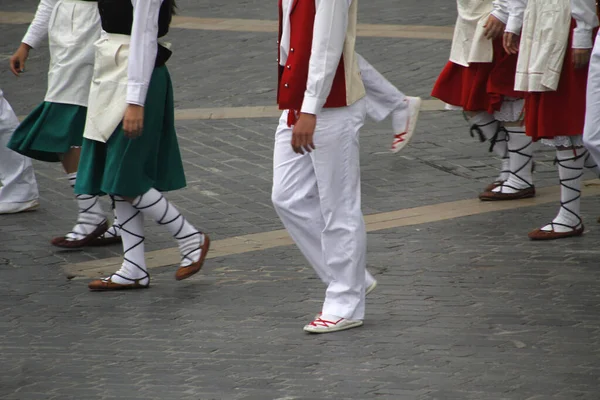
(302, 135)
(133, 121)
(581, 57)
(511, 42)
(17, 61)
(493, 28)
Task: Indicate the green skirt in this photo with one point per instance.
(131, 167)
(49, 131)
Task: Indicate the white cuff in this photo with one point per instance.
(582, 39)
(312, 105)
(501, 15)
(514, 25)
(136, 94)
(31, 41)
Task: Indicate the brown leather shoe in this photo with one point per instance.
(185, 272)
(493, 186)
(64, 243)
(539, 234)
(106, 285)
(106, 241)
(521, 194)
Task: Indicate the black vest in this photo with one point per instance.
(117, 17)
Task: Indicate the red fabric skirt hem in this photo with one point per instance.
(562, 112)
(481, 86)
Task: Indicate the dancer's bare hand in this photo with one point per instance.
(133, 121)
(511, 42)
(17, 61)
(581, 57)
(493, 28)
(302, 135)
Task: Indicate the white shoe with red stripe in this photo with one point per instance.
(402, 139)
(331, 323)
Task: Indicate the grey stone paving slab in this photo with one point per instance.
(447, 322)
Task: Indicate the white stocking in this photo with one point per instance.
(485, 127)
(114, 230)
(570, 170)
(155, 205)
(90, 215)
(132, 232)
(520, 151)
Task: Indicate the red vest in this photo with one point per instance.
(294, 76)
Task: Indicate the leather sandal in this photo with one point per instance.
(107, 285)
(189, 270)
(64, 243)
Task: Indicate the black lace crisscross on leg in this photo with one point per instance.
(141, 240)
(182, 221)
(475, 130)
(565, 183)
(87, 210)
(515, 173)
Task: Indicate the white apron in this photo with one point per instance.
(73, 28)
(469, 44)
(108, 92)
(544, 42)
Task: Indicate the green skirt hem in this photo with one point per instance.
(50, 130)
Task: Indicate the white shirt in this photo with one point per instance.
(582, 11)
(38, 29)
(329, 36)
(501, 10)
(143, 49)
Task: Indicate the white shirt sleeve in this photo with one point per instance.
(329, 36)
(38, 29)
(584, 13)
(516, 10)
(501, 10)
(143, 49)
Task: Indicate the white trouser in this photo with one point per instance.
(382, 97)
(16, 172)
(318, 199)
(591, 132)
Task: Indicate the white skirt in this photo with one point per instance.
(74, 27)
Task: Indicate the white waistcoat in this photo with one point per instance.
(544, 42)
(469, 44)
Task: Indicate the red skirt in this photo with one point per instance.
(481, 86)
(559, 113)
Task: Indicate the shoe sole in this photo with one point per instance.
(412, 123)
(539, 235)
(334, 329)
(505, 196)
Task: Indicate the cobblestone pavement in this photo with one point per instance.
(466, 308)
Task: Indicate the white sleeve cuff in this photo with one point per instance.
(136, 94)
(514, 25)
(312, 105)
(582, 39)
(501, 15)
(31, 40)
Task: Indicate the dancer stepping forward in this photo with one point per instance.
(130, 150)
